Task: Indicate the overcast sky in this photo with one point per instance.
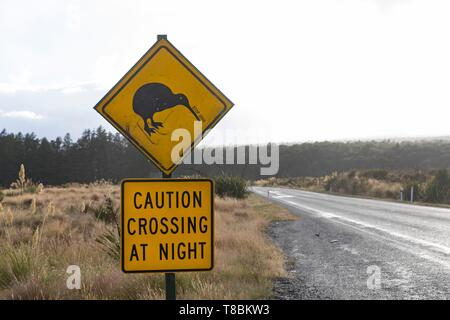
(296, 70)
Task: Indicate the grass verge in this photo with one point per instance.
(37, 245)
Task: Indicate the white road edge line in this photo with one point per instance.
(335, 218)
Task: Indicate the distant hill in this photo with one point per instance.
(437, 138)
(98, 154)
(322, 158)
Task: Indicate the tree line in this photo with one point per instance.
(98, 154)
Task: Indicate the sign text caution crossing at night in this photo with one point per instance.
(163, 92)
(167, 225)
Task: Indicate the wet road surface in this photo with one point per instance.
(351, 248)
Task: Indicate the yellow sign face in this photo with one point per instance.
(167, 225)
(161, 93)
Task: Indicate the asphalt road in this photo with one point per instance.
(351, 248)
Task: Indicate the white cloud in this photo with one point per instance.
(301, 70)
(13, 88)
(387, 4)
(24, 114)
(74, 89)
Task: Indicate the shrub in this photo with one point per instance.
(438, 189)
(17, 264)
(330, 181)
(231, 186)
(109, 240)
(24, 184)
(106, 211)
(110, 243)
(2, 196)
(379, 174)
(39, 188)
(352, 174)
(355, 186)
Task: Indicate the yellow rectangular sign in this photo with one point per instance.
(167, 225)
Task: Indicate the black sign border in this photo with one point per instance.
(122, 223)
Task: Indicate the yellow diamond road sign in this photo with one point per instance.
(162, 92)
(167, 225)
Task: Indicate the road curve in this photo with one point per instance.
(352, 248)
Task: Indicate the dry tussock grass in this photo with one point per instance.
(349, 183)
(36, 249)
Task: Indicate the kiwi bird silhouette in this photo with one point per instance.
(155, 97)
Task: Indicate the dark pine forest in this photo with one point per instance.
(99, 154)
